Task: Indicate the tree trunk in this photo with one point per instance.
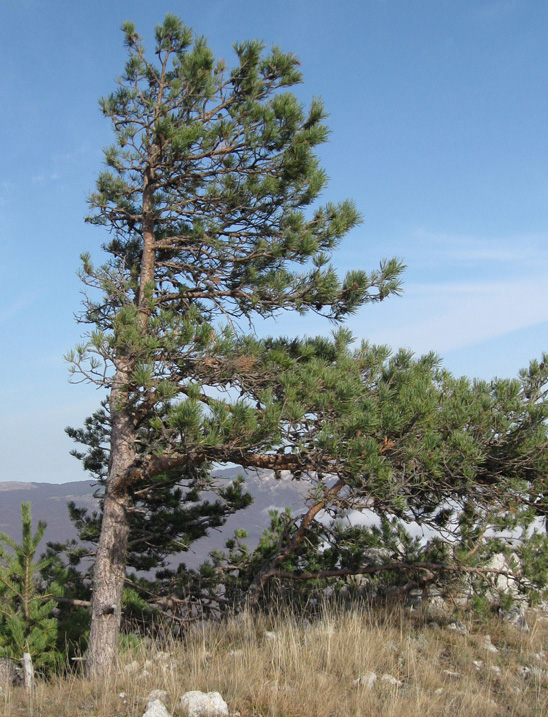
(110, 564)
(108, 582)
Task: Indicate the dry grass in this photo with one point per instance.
(307, 670)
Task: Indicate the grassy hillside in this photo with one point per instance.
(281, 666)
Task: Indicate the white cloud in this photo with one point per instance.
(15, 308)
(439, 248)
(442, 317)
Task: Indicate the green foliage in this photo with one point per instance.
(27, 623)
(210, 196)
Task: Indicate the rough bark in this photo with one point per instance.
(110, 564)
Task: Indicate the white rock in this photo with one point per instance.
(451, 674)
(8, 672)
(439, 691)
(516, 617)
(202, 704)
(478, 664)
(144, 674)
(132, 667)
(438, 606)
(503, 583)
(157, 695)
(269, 636)
(391, 680)
(162, 656)
(458, 627)
(488, 645)
(366, 680)
(495, 669)
(156, 708)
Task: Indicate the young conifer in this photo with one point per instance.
(26, 621)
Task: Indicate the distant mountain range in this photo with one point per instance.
(49, 503)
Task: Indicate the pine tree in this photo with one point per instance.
(208, 198)
(26, 620)
(400, 438)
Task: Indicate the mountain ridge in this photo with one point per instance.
(49, 504)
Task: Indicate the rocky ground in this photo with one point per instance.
(343, 663)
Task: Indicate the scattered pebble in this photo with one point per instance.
(451, 674)
(391, 680)
(458, 626)
(366, 680)
(156, 708)
(157, 695)
(488, 645)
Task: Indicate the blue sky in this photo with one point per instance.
(438, 116)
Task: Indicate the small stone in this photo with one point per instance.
(439, 691)
(144, 674)
(458, 626)
(202, 704)
(131, 668)
(391, 680)
(10, 673)
(451, 674)
(495, 669)
(478, 664)
(156, 708)
(488, 645)
(162, 656)
(269, 636)
(515, 616)
(157, 695)
(122, 695)
(366, 680)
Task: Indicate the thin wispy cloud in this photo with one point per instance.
(518, 249)
(14, 308)
(453, 315)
